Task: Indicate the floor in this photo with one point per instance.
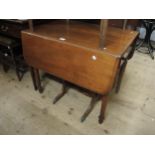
(132, 111)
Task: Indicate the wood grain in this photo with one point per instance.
(77, 59)
(87, 35)
(74, 64)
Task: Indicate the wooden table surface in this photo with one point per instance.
(87, 36)
(78, 59)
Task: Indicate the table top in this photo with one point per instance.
(86, 36)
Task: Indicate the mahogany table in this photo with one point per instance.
(73, 54)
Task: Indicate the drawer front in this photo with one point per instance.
(86, 68)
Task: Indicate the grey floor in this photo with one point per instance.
(132, 111)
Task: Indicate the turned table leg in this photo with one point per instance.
(38, 81)
(33, 78)
(90, 107)
(103, 108)
(63, 92)
(120, 76)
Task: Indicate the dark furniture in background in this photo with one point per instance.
(11, 54)
(10, 45)
(149, 25)
(13, 27)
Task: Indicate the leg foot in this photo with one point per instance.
(101, 120)
(38, 81)
(33, 78)
(103, 108)
(59, 96)
(90, 107)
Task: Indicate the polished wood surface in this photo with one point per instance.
(86, 36)
(77, 59)
(74, 64)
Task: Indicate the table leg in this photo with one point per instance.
(59, 96)
(120, 76)
(38, 81)
(33, 78)
(103, 108)
(15, 63)
(90, 107)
